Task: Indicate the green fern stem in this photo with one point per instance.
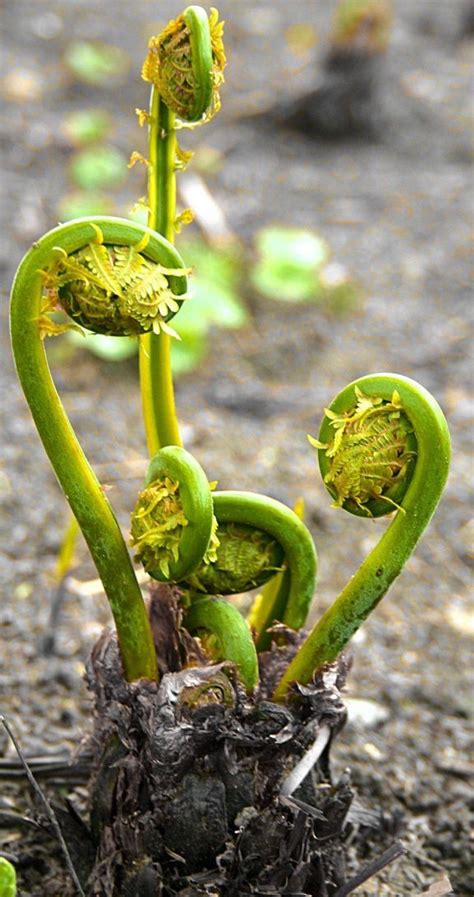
(78, 481)
(185, 65)
(181, 554)
(7, 879)
(424, 486)
(227, 625)
(158, 402)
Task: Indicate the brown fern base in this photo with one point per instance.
(186, 792)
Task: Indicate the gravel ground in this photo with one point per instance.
(397, 212)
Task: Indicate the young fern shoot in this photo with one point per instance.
(384, 444)
(57, 273)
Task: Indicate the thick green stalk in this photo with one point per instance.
(159, 410)
(258, 614)
(78, 481)
(185, 65)
(270, 604)
(373, 578)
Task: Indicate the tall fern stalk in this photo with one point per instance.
(158, 402)
(185, 66)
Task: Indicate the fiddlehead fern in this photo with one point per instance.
(174, 534)
(172, 523)
(384, 443)
(77, 479)
(175, 538)
(245, 558)
(368, 461)
(114, 289)
(295, 549)
(185, 65)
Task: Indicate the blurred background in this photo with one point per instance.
(333, 207)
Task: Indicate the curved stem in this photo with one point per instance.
(78, 481)
(296, 593)
(224, 621)
(371, 581)
(270, 604)
(159, 410)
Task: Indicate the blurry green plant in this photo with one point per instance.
(362, 25)
(289, 263)
(98, 168)
(294, 265)
(96, 63)
(86, 126)
(84, 204)
(215, 302)
(95, 167)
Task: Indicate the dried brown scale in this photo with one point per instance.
(186, 794)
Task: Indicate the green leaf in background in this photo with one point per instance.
(187, 353)
(7, 879)
(83, 204)
(289, 263)
(96, 63)
(99, 167)
(86, 126)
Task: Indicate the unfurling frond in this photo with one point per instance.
(183, 158)
(183, 219)
(157, 524)
(137, 158)
(186, 64)
(114, 290)
(241, 559)
(370, 451)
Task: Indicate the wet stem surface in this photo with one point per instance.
(396, 212)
